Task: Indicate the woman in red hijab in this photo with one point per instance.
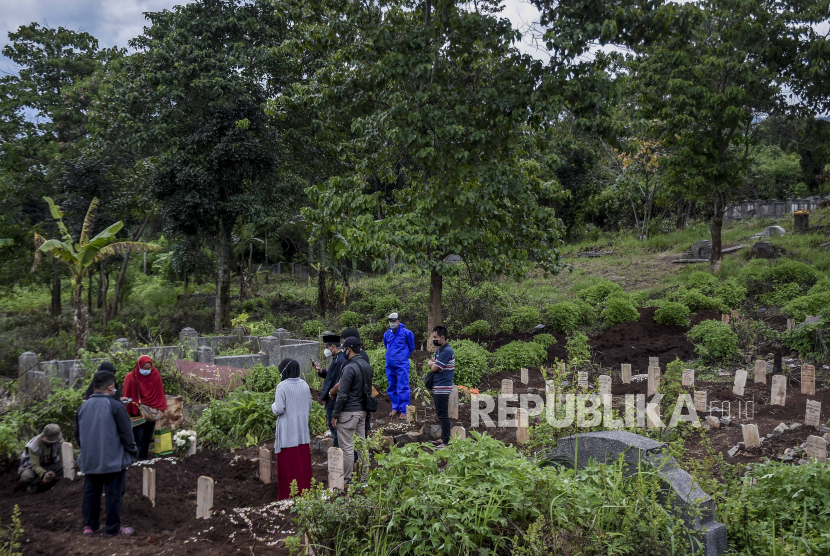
(144, 386)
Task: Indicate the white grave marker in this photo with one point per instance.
(725, 318)
(760, 371)
(148, 484)
(751, 437)
(653, 380)
(522, 434)
(808, 380)
(265, 465)
(453, 403)
(700, 401)
(740, 382)
(458, 432)
(813, 414)
(524, 376)
(779, 390)
(582, 379)
(653, 361)
(68, 461)
(688, 377)
(625, 370)
(507, 387)
(204, 498)
(817, 448)
(335, 460)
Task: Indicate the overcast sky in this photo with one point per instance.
(113, 23)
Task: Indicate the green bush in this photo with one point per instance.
(672, 314)
(349, 319)
(565, 317)
(811, 341)
(731, 293)
(619, 310)
(701, 281)
(262, 379)
(577, 348)
(587, 314)
(477, 328)
(822, 286)
(386, 304)
(470, 363)
(808, 305)
(312, 328)
(545, 340)
(599, 291)
(521, 318)
(518, 354)
(697, 301)
(781, 295)
(714, 341)
(760, 274)
(377, 359)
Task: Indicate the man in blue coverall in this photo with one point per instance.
(399, 343)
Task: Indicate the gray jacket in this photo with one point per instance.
(351, 395)
(105, 434)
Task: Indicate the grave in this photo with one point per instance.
(335, 467)
(700, 400)
(653, 361)
(751, 437)
(148, 484)
(265, 465)
(688, 377)
(68, 461)
(625, 371)
(813, 414)
(453, 403)
(204, 498)
(779, 390)
(524, 376)
(808, 380)
(604, 386)
(695, 507)
(760, 371)
(411, 414)
(762, 250)
(653, 381)
(582, 379)
(817, 448)
(522, 434)
(725, 318)
(740, 382)
(458, 432)
(507, 387)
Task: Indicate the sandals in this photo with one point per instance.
(90, 531)
(124, 531)
(393, 413)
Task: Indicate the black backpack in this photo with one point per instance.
(370, 401)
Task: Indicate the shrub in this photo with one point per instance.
(522, 318)
(697, 301)
(545, 340)
(822, 286)
(577, 348)
(377, 359)
(714, 341)
(477, 328)
(808, 305)
(587, 314)
(619, 310)
(809, 340)
(386, 304)
(672, 314)
(518, 354)
(701, 281)
(794, 271)
(597, 293)
(470, 363)
(564, 317)
(731, 293)
(349, 319)
(781, 295)
(262, 379)
(312, 328)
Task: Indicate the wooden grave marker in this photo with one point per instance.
(148, 484)
(625, 371)
(812, 415)
(760, 371)
(653, 409)
(604, 387)
(700, 401)
(453, 403)
(68, 461)
(751, 437)
(740, 382)
(779, 390)
(817, 448)
(507, 387)
(688, 377)
(525, 378)
(790, 324)
(653, 380)
(458, 432)
(808, 380)
(725, 318)
(265, 465)
(336, 468)
(204, 498)
(411, 414)
(582, 379)
(522, 434)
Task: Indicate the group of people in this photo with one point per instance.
(115, 431)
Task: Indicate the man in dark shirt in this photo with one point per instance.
(331, 376)
(350, 412)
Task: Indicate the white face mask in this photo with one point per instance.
(327, 352)
(393, 325)
(145, 372)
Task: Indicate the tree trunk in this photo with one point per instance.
(322, 292)
(220, 255)
(145, 262)
(186, 283)
(251, 260)
(101, 298)
(89, 292)
(119, 284)
(55, 308)
(80, 317)
(436, 286)
(716, 226)
(223, 284)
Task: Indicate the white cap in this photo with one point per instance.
(393, 316)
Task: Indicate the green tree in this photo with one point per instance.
(81, 255)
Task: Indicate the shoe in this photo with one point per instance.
(440, 446)
(32, 488)
(437, 442)
(125, 531)
(90, 531)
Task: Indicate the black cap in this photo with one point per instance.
(352, 343)
(331, 339)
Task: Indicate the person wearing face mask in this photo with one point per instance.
(292, 404)
(105, 366)
(144, 386)
(350, 408)
(442, 364)
(331, 377)
(399, 343)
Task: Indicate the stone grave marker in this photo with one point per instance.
(653, 409)
(808, 380)
(204, 498)
(725, 318)
(550, 387)
(265, 465)
(700, 400)
(813, 414)
(522, 434)
(458, 432)
(751, 437)
(653, 361)
(411, 414)
(191, 448)
(760, 371)
(625, 371)
(524, 376)
(582, 379)
(507, 387)
(779, 390)
(68, 461)
(734, 313)
(148, 484)
(604, 387)
(688, 377)
(453, 403)
(740, 382)
(653, 380)
(790, 324)
(817, 448)
(335, 459)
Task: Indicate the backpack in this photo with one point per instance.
(370, 401)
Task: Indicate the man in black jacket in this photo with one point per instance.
(349, 415)
(354, 333)
(331, 377)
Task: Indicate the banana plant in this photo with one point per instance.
(79, 256)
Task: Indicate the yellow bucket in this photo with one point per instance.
(163, 442)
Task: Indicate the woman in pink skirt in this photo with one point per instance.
(292, 404)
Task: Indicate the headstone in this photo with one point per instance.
(204, 498)
(817, 448)
(653, 415)
(653, 361)
(192, 447)
(336, 469)
(27, 366)
(701, 249)
(411, 414)
(808, 380)
(524, 376)
(625, 370)
(700, 400)
(550, 387)
(507, 387)
(453, 403)
(779, 390)
(458, 432)
(751, 437)
(68, 461)
(238, 331)
(148, 484)
(522, 434)
(204, 354)
(653, 380)
(281, 334)
(790, 324)
(121, 345)
(688, 377)
(604, 385)
(189, 338)
(740, 382)
(813, 413)
(724, 318)
(582, 379)
(734, 314)
(760, 371)
(265, 465)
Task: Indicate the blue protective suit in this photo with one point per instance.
(399, 344)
